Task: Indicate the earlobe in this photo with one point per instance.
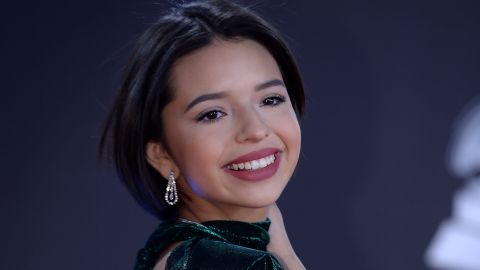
(158, 157)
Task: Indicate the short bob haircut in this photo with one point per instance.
(145, 90)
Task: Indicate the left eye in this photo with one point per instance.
(273, 100)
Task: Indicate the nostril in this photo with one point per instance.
(252, 128)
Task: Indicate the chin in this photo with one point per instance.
(259, 200)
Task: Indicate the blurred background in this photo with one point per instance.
(386, 81)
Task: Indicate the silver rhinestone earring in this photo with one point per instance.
(171, 196)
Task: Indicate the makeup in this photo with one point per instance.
(255, 166)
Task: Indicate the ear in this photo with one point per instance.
(159, 158)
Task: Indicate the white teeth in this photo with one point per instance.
(263, 163)
(253, 164)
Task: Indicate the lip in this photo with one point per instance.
(258, 174)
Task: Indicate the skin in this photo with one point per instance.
(203, 138)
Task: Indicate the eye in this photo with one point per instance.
(210, 116)
(273, 100)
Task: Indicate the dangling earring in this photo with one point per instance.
(171, 196)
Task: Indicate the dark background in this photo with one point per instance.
(385, 81)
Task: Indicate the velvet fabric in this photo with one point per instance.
(210, 245)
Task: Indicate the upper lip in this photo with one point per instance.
(265, 152)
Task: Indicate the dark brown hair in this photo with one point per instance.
(145, 90)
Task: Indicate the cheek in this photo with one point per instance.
(288, 129)
(292, 134)
(289, 132)
(197, 152)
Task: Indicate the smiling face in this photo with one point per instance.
(233, 135)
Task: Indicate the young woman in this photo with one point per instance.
(204, 134)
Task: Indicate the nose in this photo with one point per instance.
(251, 127)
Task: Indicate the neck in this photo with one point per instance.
(200, 210)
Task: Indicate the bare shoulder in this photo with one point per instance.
(162, 262)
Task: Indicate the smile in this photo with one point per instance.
(253, 164)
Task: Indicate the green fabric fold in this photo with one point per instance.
(212, 245)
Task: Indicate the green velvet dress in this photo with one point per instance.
(210, 245)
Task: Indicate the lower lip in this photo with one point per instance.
(258, 174)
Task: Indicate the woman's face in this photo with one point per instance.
(230, 128)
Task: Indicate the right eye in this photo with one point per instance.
(211, 116)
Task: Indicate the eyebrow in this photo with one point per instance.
(271, 83)
(218, 95)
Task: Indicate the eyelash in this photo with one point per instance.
(203, 117)
(277, 99)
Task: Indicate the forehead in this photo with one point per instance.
(223, 66)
